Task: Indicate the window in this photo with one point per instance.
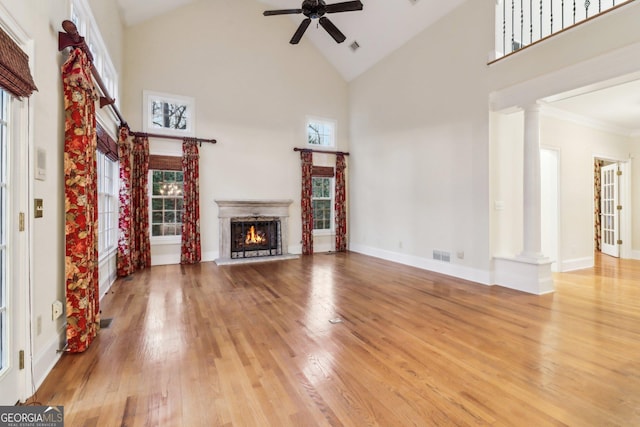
(82, 16)
(169, 114)
(166, 203)
(4, 121)
(107, 204)
(322, 202)
(321, 132)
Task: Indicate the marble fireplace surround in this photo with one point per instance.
(228, 209)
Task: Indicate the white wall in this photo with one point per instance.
(419, 138)
(253, 92)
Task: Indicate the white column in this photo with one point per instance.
(532, 209)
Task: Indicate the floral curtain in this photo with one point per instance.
(81, 203)
(140, 245)
(340, 204)
(190, 252)
(597, 167)
(305, 201)
(125, 225)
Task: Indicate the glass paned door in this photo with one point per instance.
(609, 202)
(10, 284)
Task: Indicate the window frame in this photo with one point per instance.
(149, 97)
(108, 190)
(331, 137)
(162, 240)
(331, 198)
(81, 15)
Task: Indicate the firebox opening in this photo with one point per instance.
(255, 237)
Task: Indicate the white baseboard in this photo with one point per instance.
(576, 264)
(450, 269)
(44, 362)
(635, 255)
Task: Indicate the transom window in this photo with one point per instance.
(322, 203)
(321, 132)
(169, 114)
(166, 203)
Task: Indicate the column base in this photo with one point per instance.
(526, 272)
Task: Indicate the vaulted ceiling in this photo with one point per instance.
(385, 25)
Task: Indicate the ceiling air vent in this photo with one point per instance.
(354, 46)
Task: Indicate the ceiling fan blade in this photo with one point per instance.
(300, 31)
(347, 6)
(281, 12)
(332, 30)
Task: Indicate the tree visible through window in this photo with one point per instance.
(320, 132)
(322, 201)
(166, 203)
(167, 115)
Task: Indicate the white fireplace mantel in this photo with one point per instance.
(228, 209)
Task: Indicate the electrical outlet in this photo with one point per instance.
(56, 309)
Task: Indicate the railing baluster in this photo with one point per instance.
(521, 23)
(530, 21)
(587, 3)
(541, 19)
(550, 22)
(504, 27)
(513, 8)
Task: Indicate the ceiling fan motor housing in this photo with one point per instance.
(313, 8)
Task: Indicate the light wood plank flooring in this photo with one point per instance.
(252, 345)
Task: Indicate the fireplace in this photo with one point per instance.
(253, 230)
(255, 237)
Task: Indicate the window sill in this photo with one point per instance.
(324, 233)
(165, 240)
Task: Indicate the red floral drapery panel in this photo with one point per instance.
(190, 252)
(340, 204)
(140, 245)
(125, 224)
(81, 203)
(305, 201)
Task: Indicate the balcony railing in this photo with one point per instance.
(520, 23)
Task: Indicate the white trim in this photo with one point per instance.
(49, 356)
(553, 112)
(482, 277)
(576, 264)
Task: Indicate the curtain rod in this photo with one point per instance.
(179, 138)
(70, 38)
(321, 151)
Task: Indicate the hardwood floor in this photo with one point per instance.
(252, 345)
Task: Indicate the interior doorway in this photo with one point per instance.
(612, 207)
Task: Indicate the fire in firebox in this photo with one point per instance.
(255, 237)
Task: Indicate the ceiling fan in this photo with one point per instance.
(316, 9)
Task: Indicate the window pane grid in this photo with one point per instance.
(322, 202)
(166, 203)
(107, 204)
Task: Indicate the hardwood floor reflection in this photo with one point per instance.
(252, 345)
